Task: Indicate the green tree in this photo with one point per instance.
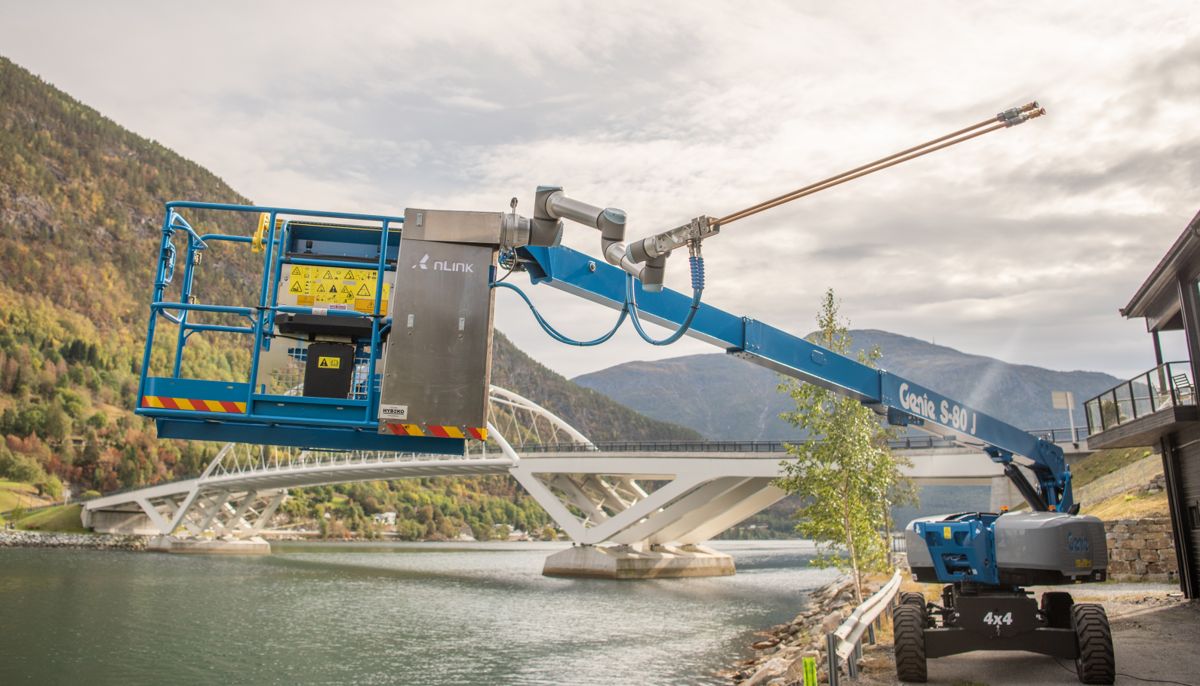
(846, 476)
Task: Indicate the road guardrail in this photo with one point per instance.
(845, 642)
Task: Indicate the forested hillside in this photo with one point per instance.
(80, 215)
(80, 210)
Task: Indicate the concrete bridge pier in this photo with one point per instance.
(254, 545)
(646, 516)
(1004, 494)
(627, 562)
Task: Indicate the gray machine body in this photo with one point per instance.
(1031, 548)
(437, 362)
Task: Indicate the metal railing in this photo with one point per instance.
(1076, 434)
(276, 227)
(909, 442)
(845, 642)
(1166, 386)
(916, 442)
(294, 459)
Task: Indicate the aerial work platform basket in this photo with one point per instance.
(316, 322)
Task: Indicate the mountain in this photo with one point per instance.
(596, 415)
(80, 213)
(724, 397)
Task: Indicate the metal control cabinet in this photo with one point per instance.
(437, 363)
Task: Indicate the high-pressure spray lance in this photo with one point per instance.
(645, 259)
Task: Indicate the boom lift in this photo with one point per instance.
(390, 319)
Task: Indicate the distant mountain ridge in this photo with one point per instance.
(726, 398)
(596, 415)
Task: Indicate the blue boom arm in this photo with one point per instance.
(904, 402)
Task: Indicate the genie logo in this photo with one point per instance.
(1077, 544)
(919, 405)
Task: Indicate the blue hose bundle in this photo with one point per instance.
(628, 309)
(554, 333)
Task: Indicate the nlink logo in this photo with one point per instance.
(445, 265)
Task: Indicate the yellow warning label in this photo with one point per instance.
(946, 532)
(338, 289)
(324, 362)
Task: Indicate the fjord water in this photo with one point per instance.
(380, 614)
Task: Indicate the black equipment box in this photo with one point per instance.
(328, 370)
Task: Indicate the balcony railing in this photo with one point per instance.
(1168, 385)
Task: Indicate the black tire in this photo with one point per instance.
(1096, 663)
(1056, 606)
(909, 597)
(908, 625)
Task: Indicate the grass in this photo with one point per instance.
(1104, 462)
(1130, 506)
(14, 494)
(62, 518)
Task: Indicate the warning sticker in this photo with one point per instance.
(326, 362)
(393, 412)
(336, 289)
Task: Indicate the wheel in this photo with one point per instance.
(1056, 606)
(908, 625)
(1096, 663)
(909, 597)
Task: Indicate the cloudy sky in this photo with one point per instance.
(1020, 245)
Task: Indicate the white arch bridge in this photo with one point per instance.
(652, 505)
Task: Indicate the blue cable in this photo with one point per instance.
(554, 333)
(629, 309)
(697, 265)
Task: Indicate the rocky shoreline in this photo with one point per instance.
(39, 539)
(778, 650)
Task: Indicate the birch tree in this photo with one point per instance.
(844, 473)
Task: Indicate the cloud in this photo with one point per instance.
(1020, 244)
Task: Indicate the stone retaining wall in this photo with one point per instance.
(778, 652)
(1141, 550)
(38, 539)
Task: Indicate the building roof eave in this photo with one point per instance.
(1184, 254)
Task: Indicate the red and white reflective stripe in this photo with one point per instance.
(438, 431)
(162, 402)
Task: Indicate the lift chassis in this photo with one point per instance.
(978, 617)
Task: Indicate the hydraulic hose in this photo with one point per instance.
(555, 333)
(628, 309)
(697, 266)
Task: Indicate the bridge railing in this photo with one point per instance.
(1077, 434)
(902, 443)
(312, 459)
